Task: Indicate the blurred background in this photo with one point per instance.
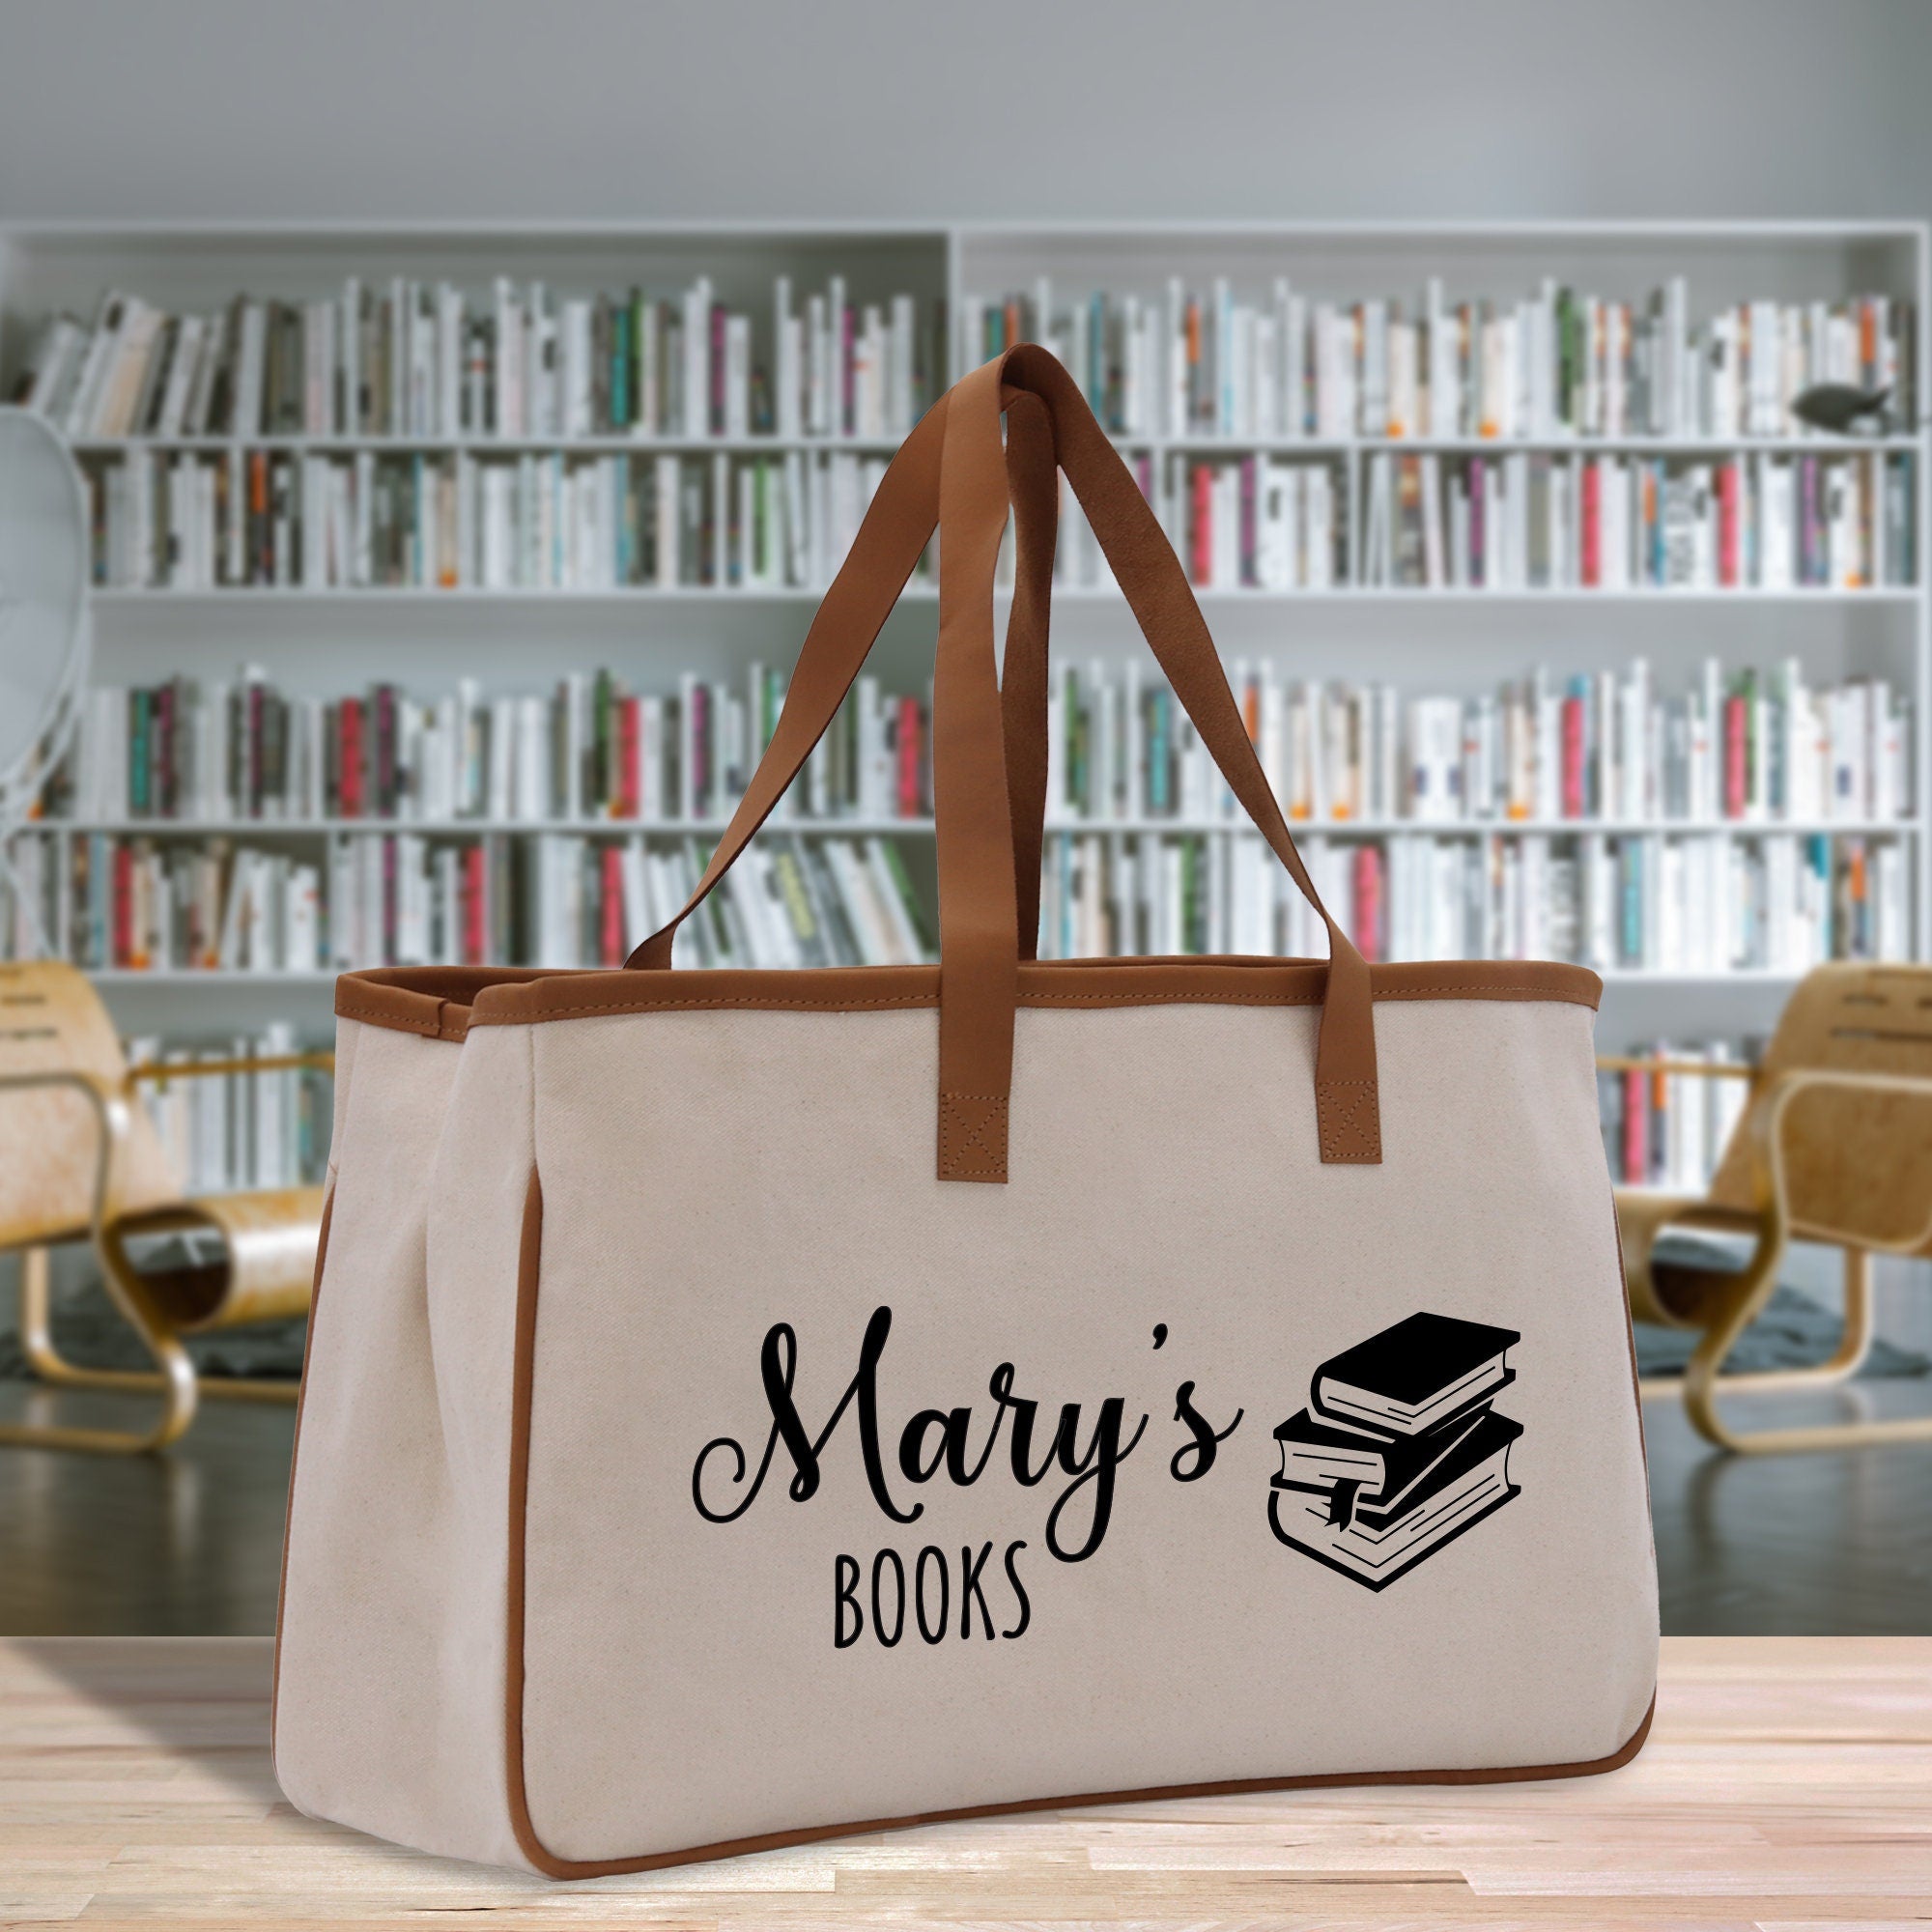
(469, 404)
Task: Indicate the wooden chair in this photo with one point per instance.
(1834, 1146)
(79, 1160)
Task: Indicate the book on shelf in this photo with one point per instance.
(788, 901)
(1697, 903)
(1747, 745)
(1254, 523)
(1666, 1128)
(221, 1133)
(408, 357)
(130, 903)
(591, 747)
(1399, 1450)
(1555, 363)
(1535, 521)
(456, 521)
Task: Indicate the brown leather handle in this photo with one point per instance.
(1150, 575)
(972, 817)
(989, 837)
(1033, 478)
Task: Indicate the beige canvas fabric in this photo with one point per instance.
(683, 1686)
(392, 1600)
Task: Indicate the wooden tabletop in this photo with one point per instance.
(1787, 1785)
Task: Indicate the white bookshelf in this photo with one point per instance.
(326, 641)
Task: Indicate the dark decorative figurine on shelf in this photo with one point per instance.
(1845, 411)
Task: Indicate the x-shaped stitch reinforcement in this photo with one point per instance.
(972, 1137)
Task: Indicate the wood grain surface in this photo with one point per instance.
(1787, 1785)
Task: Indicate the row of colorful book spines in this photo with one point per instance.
(110, 929)
(1484, 471)
(645, 331)
(405, 564)
(1572, 347)
(1584, 324)
(1742, 750)
(1635, 1107)
(636, 357)
(411, 542)
(1826, 854)
(1739, 534)
(112, 934)
(1578, 315)
(108, 901)
(1580, 812)
(1850, 920)
(355, 787)
(413, 481)
(364, 775)
(1582, 771)
(411, 490)
(1812, 567)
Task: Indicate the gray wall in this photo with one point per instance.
(890, 107)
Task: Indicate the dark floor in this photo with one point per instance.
(187, 1544)
(190, 1542)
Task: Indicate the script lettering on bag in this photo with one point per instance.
(1081, 1460)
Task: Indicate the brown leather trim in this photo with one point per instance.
(433, 1001)
(530, 1256)
(520, 999)
(528, 1273)
(295, 1451)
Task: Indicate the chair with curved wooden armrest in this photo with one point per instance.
(79, 1160)
(1834, 1146)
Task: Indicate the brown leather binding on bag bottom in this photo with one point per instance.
(530, 1272)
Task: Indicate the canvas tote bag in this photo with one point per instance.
(747, 1406)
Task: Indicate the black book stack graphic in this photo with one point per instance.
(1399, 1451)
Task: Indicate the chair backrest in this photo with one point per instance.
(51, 1021)
(1858, 1165)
